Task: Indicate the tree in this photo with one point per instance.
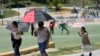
(97, 2)
(56, 3)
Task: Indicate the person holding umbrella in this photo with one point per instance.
(43, 38)
(16, 38)
(85, 40)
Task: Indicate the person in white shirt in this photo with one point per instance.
(85, 41)
(16, 38)
(43, 38)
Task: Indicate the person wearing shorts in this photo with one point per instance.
(63, 27)
(43, 38)
(85, 41)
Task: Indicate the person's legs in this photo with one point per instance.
(39, 44)
(90, 49)
(32, 29)
(42, 47)
(82, 50)
(67, 30)
(52, 30)
(62, 30)
(16, 50)
(13, 45)
(17, 46)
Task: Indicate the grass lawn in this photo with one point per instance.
(10, 13)
(62, 41)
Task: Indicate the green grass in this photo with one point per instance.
(70, 50)
(62, 41)
(10, 13)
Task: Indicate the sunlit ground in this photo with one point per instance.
(61, 41)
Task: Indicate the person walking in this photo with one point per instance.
(32, 28)
(16, 38)
(51, 27)
(43, 38)
(85, 41)
(63, 26)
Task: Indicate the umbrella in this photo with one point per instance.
(78, 24)
(36, 16)
(23, 26)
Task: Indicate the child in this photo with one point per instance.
(51, 26)
(63, 26)
(16, 38)
(85, 40)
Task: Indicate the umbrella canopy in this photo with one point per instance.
(36, 16)
(78, 24)
(21, 25)
(29, 16)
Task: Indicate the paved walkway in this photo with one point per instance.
(95, 53)
(48, 50)
(21, 10)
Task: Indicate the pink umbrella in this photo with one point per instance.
(78, 24)
(29, 17)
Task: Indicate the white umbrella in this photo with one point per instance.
(78, 24)
(23, 26)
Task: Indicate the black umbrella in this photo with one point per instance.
(36, 16)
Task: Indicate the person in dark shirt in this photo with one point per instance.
(63, 27)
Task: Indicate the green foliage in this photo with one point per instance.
(1, 16)
(15, 5)
(56, 3)
(96, 2)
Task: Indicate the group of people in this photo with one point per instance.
(62, 26)
(95, 14)
(43, 35)
(91, 13)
